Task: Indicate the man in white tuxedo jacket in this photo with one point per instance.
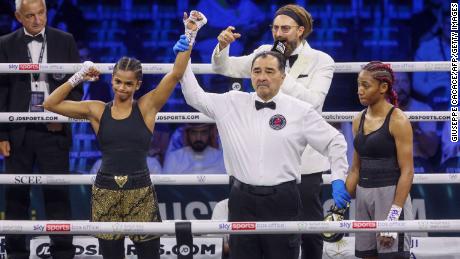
(308, 77)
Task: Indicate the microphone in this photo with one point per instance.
(278, 46)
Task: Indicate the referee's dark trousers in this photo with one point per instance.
(251, 203)
(310, 194)
(44, 150)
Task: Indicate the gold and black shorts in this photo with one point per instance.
(124, 205)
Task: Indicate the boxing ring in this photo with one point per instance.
(184, 249)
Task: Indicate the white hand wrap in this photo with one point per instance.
(393, 215)
(79, 77)
(191, 34)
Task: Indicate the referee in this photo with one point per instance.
(263, 136)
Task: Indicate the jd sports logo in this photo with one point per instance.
(185, 250)
(43, 251)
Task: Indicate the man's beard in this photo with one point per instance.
(290, 47)
(198, 146)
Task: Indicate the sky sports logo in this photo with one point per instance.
(57, 227)
(39, 228)
(244, 226)
(364, 224)
(29, 66)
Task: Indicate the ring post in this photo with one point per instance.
(184, 240)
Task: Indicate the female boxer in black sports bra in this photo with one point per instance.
(123, 191)
(382, 168)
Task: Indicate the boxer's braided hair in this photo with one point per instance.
(383, 73)
(129, 64)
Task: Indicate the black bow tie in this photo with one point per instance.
(292, 59)
(38, 38)
(261, 105)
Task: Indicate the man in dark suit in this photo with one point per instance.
(30, 146)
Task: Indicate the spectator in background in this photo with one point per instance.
(432, 87)
(199, 153)
(426, 140)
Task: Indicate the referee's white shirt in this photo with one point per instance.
(254, 152)
(311, 86)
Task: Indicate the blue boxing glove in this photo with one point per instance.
(181, 45)
(340, 194)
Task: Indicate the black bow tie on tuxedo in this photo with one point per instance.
(38, 38)
(261, 105)
(292, 59)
